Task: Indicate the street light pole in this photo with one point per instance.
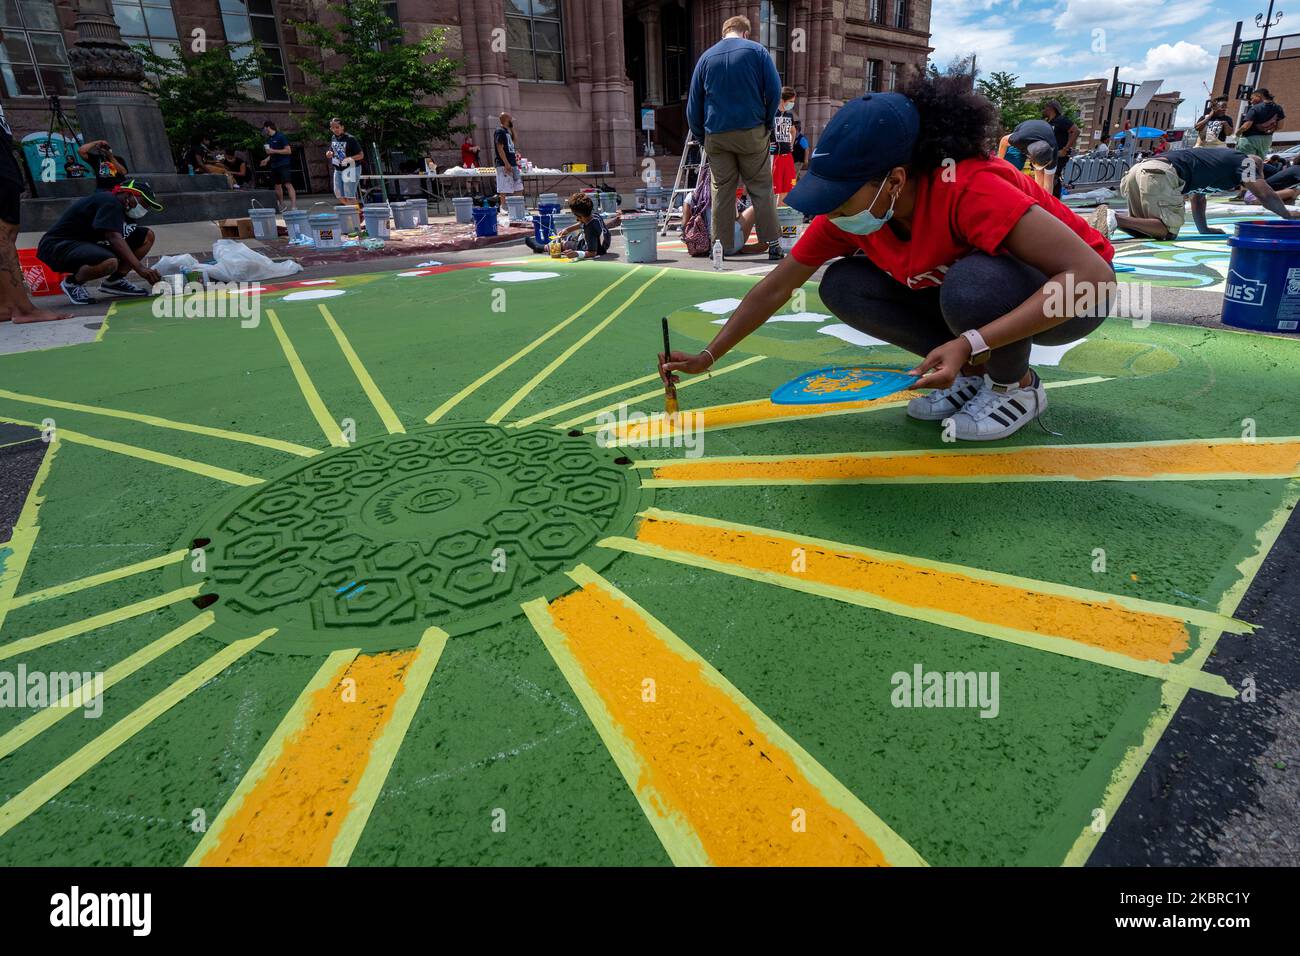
(1266, 21)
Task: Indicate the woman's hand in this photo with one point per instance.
(941, 367)
(683, 362)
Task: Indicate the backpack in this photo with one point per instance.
(696, 234)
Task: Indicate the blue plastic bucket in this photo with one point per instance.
(485, 221)
(543, 226)
(1262, 291)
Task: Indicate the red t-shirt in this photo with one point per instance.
(976, 210)
(467, 155)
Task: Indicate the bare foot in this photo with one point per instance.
(39, 315)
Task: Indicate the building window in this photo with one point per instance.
(148, 23)
(253, 21)
(33, 60)
(535, 39)
(676, 27)
(877, 13)
(873, 76)
(900, 13)
(773, 19)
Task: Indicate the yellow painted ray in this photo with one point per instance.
(492, 373)
(25, 530)
(43, 720)
(77, 628)
(762, 412)
(508, 405)
(1126, 633)
(147, 454)
(309, 794)
(330, 427)
(386, 413)
(1200, 459)
(94, 580)
(39, 793)
(659, 392)
(718, 780)
(159, 422)
(623, 386)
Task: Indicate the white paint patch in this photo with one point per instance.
(718, 306)
(241, 291)
(316, 282)
(522, 276)
(414, 272)
(425, 265)
(313, 294)
(847, 333)
(1051, 354)
(789, 317)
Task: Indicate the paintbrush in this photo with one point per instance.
(670, 390)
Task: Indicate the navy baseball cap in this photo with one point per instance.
(867, 138)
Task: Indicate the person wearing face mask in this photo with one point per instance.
(98, 236)
(783, 174)
(941, 250)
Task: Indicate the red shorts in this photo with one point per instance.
(783, 176)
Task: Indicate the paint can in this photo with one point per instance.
(464, 207)
(543, 227)
(608, 202)
(1262, 291)
(421, 207)
(791, 222)
(485, 221)
(515, 205)
(326, 230)
(376, 215)
(295, 220)
(349, 220)
(547, 199)
(264, 224)
(641, 234)
(404, 215)
(562, 220)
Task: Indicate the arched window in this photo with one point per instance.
(535, 40)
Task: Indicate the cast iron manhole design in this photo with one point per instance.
(452, 525)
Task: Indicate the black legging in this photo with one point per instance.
(1286, 178)
(977, 289)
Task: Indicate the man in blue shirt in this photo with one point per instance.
(278, 157)
(735, 94)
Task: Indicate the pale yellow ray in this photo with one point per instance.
(77, 628)
(386, 413)
(46, 718)
(70, 770)
(333, 434)
(492, 373)
(24, 535)
(158, 422)
(508, 405)
(147, 454)
(94, 580)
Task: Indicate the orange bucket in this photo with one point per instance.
(40, 278)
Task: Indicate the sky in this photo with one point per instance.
(1045, 41)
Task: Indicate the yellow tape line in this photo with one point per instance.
(77, 628)
(94, 580)
(384, 751)
(23, 538)
(386, 413)
(70, 770)
(522, 393)
(487, 376)
(44, 719)
(305, 385)
(157, 422)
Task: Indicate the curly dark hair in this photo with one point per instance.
(956, 122)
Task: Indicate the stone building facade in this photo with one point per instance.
(575, 73)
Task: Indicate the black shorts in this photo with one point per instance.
(69, 255)
(11, 194)
(282, 175)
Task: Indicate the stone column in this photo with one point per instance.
(110, 102)
(654, 54)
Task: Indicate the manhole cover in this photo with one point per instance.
(448, 525)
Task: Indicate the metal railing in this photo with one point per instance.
(1082, 172)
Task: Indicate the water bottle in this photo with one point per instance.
(717, 255)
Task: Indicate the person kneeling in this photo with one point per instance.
(585, 239)
(93, 239)
(940, 250)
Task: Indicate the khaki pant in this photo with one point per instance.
(741, 155)
(1255, 144)
(1153, 190)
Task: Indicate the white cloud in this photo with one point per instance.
(1147, 15)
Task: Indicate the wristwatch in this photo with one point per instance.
(979, 349)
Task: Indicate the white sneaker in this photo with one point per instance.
(943, 403)
(998, 411)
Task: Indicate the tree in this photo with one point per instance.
(376, 83)
(1003, 90)
(957, 66)
(195, 92)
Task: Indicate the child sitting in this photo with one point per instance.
(585, 239)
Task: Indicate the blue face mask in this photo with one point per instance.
(865, 223)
